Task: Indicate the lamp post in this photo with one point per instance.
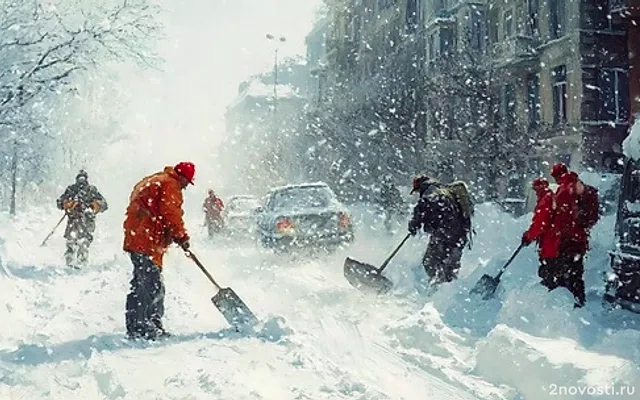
(281, 39)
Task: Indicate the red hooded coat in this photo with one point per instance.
(574, 236)
(542, 228)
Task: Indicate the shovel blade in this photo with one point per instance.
(365, 277)
(233, 309)
(486, 287)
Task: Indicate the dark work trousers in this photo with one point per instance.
(565, 271)
(442, 259)
(145, 301)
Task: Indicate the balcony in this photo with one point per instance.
(518, 51)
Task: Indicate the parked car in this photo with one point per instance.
(302, 216)
(241, 216)
(623, 282)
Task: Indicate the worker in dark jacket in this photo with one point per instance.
(81, 201)
(438, 215)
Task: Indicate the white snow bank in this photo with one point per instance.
(631, 145)
(539, 367)
(511, 331)
(424, 339)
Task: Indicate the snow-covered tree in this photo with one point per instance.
(45, 48)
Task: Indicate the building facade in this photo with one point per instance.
(554, 80)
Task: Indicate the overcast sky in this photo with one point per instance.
(214, 44)
(211, 46)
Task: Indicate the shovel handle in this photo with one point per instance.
(193, 258)
(53, 230)
(504, 268)
(386, 262)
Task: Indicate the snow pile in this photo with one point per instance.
(540, 367)
(631, 145)
(320, 339)
(526, 340)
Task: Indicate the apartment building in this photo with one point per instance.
(563, 65)
(562, 75)
(627, 12)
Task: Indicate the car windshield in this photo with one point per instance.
(242, 205)
(313, 197)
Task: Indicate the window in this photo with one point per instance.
(533, 100)
(557, 18)
(384, 4)
(413, 15)
(602, 18)
(432, 49)
(614, 95)
(478, 29)
(507, 24)
(533, 23)
(446, 41)
(559, 79)
(440, 7)
(351, 29)
(600, 15)
(509, 103)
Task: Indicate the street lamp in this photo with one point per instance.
(281, 39)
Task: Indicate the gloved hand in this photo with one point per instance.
(413, 229)
(184, 242)
(95, 207)
(525, 239)
(69, 205)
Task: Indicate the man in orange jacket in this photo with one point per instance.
(153, 222)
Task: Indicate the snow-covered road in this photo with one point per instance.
(62, 331)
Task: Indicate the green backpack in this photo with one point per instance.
(460, 194)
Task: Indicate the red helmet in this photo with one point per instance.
(558, 170)
(539, 184)
(186, 169)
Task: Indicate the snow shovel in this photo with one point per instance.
(53, 230)
(366, 276)
(488, 284)
(230, 305)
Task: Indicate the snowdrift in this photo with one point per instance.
(525, 339)
(321, 339)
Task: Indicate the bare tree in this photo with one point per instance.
(44, 46)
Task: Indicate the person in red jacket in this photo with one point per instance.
(212, 207)
(541, 229)
(568, 270)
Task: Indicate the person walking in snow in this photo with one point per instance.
(213, 207)
(567, 269)
(438, 214)
(154, 220)
(81, 202)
